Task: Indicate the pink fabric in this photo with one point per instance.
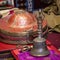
(26, 56)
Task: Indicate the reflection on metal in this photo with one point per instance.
(18, 28)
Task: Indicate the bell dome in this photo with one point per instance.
(19, 22)
(22, 21)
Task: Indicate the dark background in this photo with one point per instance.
(37, 4)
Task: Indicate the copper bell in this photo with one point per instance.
(16, 28)
(39, 43)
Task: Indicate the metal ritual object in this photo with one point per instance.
(39, 43)
(18, 28)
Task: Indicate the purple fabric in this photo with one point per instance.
(26, 56)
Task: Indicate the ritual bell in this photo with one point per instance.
(39, 47)
(39, 43)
